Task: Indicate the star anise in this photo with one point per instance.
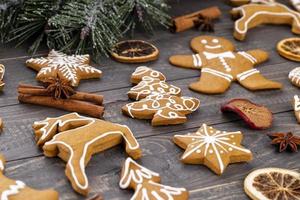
(59, 88)
(285, 141)
(204, 23)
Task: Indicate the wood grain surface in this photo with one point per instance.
(27, 163)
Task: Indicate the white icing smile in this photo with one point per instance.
(213, 47)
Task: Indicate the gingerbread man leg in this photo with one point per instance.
(186, 61)
(212, 82)
(253, 80)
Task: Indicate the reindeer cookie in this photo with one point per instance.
(162, 109)
(2, 71)
(213, 148)
(17, 190)
(252, 15)
(146, 184)
(150, 82)
(220, 65)
(75, 139)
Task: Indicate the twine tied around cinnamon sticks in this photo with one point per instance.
(200, 19)
(81, 102)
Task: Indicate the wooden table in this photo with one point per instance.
(26, 161)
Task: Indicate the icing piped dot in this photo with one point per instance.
(204, 41)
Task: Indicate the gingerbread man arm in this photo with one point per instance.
(256, 56)
(195, 61)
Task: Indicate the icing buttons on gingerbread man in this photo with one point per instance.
(220, 65)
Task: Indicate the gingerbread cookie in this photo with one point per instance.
(162, 109)
(256, 116)
(71, 68)
(220, 66)
(296, 106)
(252, 15)
(149, 86)
(75, 139)
(142, 71)
(2, 71)
(294, 76)
(243, 2)
(17, 190)
(146, 184)
(213, 148)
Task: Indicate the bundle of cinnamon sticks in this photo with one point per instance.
(188, 21)
(81, 102)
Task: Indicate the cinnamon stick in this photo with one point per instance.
(65, 104)
(41, 91)
(185, 22)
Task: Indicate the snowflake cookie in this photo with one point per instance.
(17, 190)
(75, 139)
(146, 184)
(213, 148)
(71, 68)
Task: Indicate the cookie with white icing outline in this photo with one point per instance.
(296, 106)
(71, 68)
(214, 148)
(252, 15)
(2, 72)
(221, 65)
(162, 109)
(143, 71)
(17, 190)
(75, 139)
(243, 2)
(146, 184)
(294, 76)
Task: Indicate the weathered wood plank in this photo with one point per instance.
(162, 156)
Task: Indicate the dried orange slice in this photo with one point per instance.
(273, 184)
(289, 48)
(134, 51)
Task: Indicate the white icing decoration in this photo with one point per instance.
(150, 86)
(13, 190)
(208, 143)
(248, 56)
(1, 165)
(294, 76)
(204, 41)
(213, 47)
(289, 12)
(59, 123)
(67, 66)
(215, 40)
(296, 4)
(143, 70)
(242, 76)
(221, 57)
(296, 103)
(142, 174)
(162, 102)
(227, 77)
(197, 60)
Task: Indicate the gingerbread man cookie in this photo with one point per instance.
(146, 184)
(162, 109)
(220, 65)
(213, 148)
(75, 139)
(17, 190)
(2, 71)
(252, 15)
(143, 71)
(71, 68)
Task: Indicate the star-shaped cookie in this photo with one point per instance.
(72, 68)
(213, 148)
